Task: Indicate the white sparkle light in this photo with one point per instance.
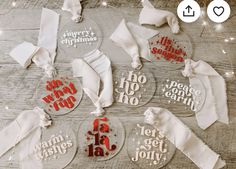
(224, 51)
(226, 40)
(204, 23)
(229, 74)
(13, 3)
(104, 3)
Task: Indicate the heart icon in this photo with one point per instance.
(218, 10)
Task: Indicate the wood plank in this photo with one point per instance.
(29, 4)
(17, 86)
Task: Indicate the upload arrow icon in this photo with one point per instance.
(188, 11)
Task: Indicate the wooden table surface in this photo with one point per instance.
(18, 86)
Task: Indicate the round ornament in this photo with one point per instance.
(133, 88)
(148, 148)
(60, 95)
(76, 40)
(169, 50)
(101, 138)
(177, 92)
(56, 148)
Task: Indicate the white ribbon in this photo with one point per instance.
(151, 16)
(215, 106)
(183, 138)
(43, 55)
(23, 53)
(25, 124)
(95, 70)
(75, 8)
(134, 40)
(26, 149)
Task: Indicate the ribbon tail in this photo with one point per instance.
(183, 138)
(99, 111)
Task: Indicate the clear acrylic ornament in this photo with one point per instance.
(177, 95)
(170, 50)
(59, 95)
(148, 148)
(101, 138)
(78, 39)
(133, 88)
(56, 148)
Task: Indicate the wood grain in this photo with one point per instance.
(17, 86)
(29, 4)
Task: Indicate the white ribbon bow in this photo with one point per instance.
(215, 106)
(151, 16)
(75, 8)
(134, 40)
(183, 138)
(26, 124)
(95, 70)
(43, 55)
